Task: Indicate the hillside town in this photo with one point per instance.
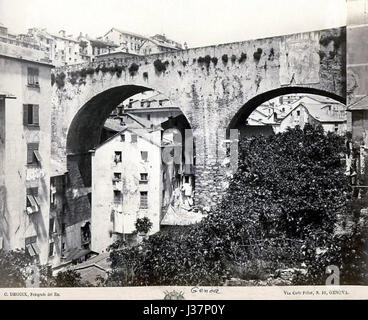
(65, 49)
(130, 190)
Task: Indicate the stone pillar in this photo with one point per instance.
(211, 167)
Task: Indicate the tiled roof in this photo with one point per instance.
(113, 124)
(360, 104)
(127, 32)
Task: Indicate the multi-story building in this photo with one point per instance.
(152, 106)
(25, 130)
(159, 43)
(127, 41)
(64, 49)
(276, 115)
(303, 114)
(90, 48)
(126, 184)
(18, 40)
(44, 40)
(133, 43)
(330, 114)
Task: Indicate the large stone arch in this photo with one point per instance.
(83, 134)
(85, 128)
(211, 85)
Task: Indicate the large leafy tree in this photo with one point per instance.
(293, 183)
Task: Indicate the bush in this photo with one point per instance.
(257, 54)
(159, 66)
(143, 225)
(133, 69)
(243, 57)
(60, 80)
(225, 59)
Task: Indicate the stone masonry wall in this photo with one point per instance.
(210, 85)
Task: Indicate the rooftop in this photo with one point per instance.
(360, 104)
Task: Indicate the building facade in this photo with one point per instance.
(150, 106)
(332, 116)
(133, 43)
(127, 41)
(25, 131)
(126, 185)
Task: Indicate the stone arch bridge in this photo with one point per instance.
(216, 87)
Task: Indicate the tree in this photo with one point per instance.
(293, 183)
(67, 278)
(13, 268)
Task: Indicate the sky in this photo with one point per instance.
(197, 22)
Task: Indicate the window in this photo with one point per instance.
(148, 117)
(144, 155)
(160, 102)
(51, 249)
(134, 138)
(63, 228)
(336, 127)
(298, 113)
(51, 226)
(144, 178)
(122, 136)
(33, 155)
(32, 201)
(32, 77)
(31, 246)
(117, 176)
(117, 196)
(63, 247)
(186, 179)
(31, 114)
(143, 200)
(117, 157)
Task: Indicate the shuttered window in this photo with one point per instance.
(52, 226)
(143, 200)
(51, 249)
(144, 155)
(31, 115)
(33, 201)
(31, 246)
(32, 77)
(33, 155)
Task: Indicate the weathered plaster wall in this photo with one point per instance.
(131, 166)
(209, 84)
(17, 175)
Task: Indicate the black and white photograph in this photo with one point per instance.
(175, 149)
